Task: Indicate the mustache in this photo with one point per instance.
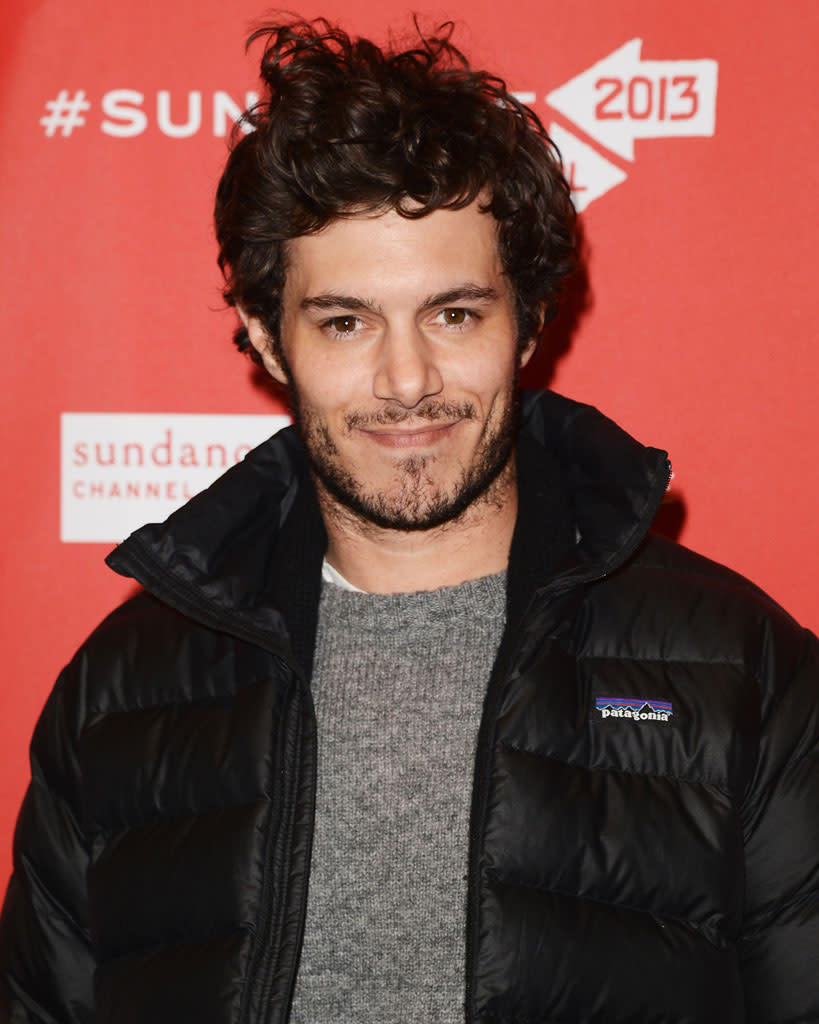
(430, 410)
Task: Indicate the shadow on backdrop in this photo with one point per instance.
(557, 338)
(671, 516)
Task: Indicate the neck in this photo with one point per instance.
(384, 561)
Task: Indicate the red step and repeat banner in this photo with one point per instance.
(689, 135)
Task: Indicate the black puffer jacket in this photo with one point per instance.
(663, 868)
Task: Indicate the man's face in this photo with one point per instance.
(399, 347)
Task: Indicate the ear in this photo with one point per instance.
(531, 346)
(527, 352)
(263, 343)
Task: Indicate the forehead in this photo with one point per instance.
(387, 254)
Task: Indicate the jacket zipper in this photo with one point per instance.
(267, 940)
(480, 785)
(568, 581)
(262, 965)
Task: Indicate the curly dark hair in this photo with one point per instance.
(347, 127)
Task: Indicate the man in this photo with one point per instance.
(535, 764)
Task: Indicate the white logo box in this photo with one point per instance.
(120, 470)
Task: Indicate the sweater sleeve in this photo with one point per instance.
(46, 961)
(780, 941)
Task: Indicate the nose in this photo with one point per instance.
(407, 370)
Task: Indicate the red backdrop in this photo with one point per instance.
(694, 332)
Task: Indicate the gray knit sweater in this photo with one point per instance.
(398, 681)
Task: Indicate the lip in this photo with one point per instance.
(414, 437)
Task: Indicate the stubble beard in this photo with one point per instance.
(414, 502)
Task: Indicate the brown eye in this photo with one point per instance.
(343, 324)
(454, 315)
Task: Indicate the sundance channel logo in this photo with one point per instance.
(120, 470)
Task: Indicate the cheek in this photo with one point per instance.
(488, 377)
(325, 392)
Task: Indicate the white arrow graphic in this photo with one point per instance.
(589, 173)
(622, 98)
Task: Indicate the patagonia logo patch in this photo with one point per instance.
(638, 709)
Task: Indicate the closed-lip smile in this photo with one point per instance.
(408, 437)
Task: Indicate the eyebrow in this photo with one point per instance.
(333, 300)
(460, 293)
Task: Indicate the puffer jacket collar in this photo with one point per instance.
(228, 557)
(615, 483)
